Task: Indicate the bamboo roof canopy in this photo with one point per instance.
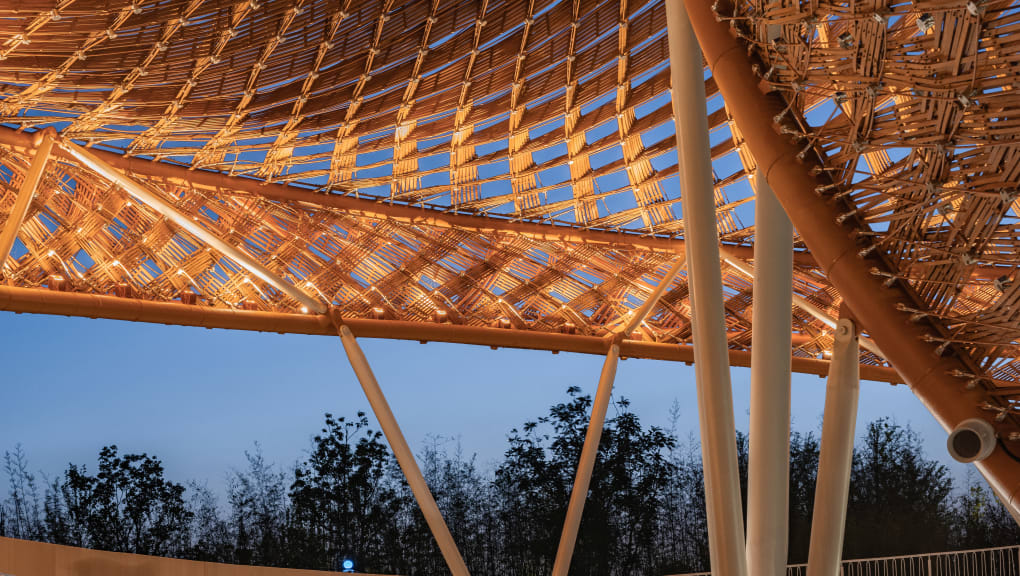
(508, 166)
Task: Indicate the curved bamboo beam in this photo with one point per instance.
(874, 306)
(23, 143)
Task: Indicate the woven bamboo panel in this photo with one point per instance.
(911, 108)
(554, 113)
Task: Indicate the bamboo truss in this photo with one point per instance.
(485, 168)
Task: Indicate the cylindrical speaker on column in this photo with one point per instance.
(972, 441)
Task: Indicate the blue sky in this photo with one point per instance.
(199, 398)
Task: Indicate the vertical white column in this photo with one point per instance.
(589, 451)
(715, 394)
(24, 198)
(403, 453)
(769, 462)
(836, 453)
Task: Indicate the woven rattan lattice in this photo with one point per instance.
(507, 164)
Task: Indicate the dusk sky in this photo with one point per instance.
(199, 398)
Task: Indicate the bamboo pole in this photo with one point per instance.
(405, 458)
(25, 195)
(639, 316)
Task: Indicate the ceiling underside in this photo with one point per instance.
(545, 113)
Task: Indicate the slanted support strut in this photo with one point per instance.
(712, 371)
(25, 194)
(836, 453)
(589, 451)
(592, 437)
(799, 301)
(405, 458)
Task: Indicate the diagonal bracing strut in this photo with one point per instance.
(401, 450)
(836, 453)
(740, 265)
(593, 435)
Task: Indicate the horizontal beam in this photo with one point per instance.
(40, 301)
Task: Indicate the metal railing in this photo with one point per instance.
(1002, 561)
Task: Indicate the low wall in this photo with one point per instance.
(25, 558)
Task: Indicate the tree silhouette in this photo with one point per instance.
(897, 493)
(341, 502)
(645, 511)
(128, 506)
